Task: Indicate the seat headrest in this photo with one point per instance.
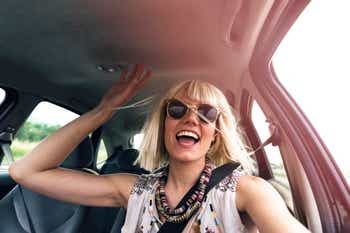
(116, 153)
(127, 158)
(81, 157)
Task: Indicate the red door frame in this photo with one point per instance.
(328, 184)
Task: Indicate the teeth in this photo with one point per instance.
(188, 133)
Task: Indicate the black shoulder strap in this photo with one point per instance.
(217, 175)
(220, 173)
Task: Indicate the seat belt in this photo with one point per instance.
(217, 175)
(5, 141)
(30, 222)
(274, 139)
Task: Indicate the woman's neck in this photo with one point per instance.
(182, 176)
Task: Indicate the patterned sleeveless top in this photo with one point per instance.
(217, 214)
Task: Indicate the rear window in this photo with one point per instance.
(102, 154)
(136, 140)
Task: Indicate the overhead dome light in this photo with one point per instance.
(112, 68)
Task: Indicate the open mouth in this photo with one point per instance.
(187, 138)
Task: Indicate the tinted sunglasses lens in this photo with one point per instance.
(209, 112)
(176, 109)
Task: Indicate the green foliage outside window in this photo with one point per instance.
(28, 136)
(34, 132)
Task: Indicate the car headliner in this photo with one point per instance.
(54, 48)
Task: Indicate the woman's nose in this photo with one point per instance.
(191, 117)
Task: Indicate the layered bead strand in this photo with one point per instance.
(191, 205)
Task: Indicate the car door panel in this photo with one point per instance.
(6, 183)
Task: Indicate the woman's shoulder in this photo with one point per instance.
(250, 183)
(252, 190)
(240, 179)
(145, 182)
(230, 182)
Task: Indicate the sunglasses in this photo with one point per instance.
(206, 113)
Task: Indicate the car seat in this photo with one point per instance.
(23, 210)
(107, 219)
(123, 161)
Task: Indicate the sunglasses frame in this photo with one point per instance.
(193, 108)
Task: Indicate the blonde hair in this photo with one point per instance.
(228, 145)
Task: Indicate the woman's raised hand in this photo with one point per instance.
(125, 88)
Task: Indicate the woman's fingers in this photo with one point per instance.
(139, 76)
(137, 73)
(141, 83)
(123, 75)
(126, 86)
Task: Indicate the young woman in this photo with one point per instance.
(191, 132)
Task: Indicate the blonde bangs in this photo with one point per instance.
(198, 91)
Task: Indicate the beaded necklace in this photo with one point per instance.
(191, 205)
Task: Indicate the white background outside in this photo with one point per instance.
(313, 64)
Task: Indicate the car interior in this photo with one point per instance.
(69, 52)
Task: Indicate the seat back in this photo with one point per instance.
(46, 214)
(104, 219)
(123, 161)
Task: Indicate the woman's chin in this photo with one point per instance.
(186, 157)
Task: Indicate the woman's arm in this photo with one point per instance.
(39, 170)
(265, 206)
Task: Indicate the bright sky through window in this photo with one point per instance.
(312, 63)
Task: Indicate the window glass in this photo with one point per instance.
(272, 152)
(2, 95)
(4, 160)
(136, 140)
(312, 63)
(101, 155)
(45, 119)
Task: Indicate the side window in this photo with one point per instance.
(319, 83)
(4, 162)
(136, 140)
(2, 95)
(272, 152)
(45, 119)
(101, 155)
